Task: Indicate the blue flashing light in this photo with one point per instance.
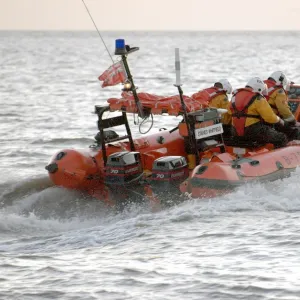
(120, 47)
(120, 44)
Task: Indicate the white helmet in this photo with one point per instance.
(257, 85)
(280, 79)
(288, 85)
(226, 85)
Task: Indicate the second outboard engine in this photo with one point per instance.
(169, 169)
(167, 174)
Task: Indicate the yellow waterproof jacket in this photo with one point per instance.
(221, 101)
(278, 100)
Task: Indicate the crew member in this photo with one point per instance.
(217, 97)
(277, 97)
(249, 108)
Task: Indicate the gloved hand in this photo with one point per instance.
(290, 123)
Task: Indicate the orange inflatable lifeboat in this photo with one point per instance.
(194, 157)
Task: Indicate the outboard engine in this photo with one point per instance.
(123, 176)
(167, 174)
(123, 168)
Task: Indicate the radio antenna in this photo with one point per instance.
(97, 30)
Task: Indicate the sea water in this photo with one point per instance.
(59, 244)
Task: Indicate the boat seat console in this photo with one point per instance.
(207, 128)
(207, 114)
(107, 136)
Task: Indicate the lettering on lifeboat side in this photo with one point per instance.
(292, 158)
(201, 133)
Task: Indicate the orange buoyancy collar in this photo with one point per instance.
(239, 105)
(208, 94)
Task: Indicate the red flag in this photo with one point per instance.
(113, 75)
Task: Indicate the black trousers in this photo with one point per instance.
(264, 134)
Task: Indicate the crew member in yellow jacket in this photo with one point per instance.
(277, 96)
(217, 97)
(250, 109)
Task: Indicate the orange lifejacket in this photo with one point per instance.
(207, 95)
(272, 87)
(240, 102)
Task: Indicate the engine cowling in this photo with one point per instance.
(123, 168)
(169, 171)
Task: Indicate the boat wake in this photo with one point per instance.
(12, 191)
(282, 195)
(46, 218)
(39, 199)
(34, 194)
(35, 205)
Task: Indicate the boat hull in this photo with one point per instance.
(220, 176)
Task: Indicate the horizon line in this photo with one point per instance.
(156, 30)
